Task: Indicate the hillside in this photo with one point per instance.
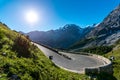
(116, 62)
(21, 60)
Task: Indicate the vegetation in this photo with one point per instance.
(116, 62)
(98, 49)
(81, 43)
(19, 59)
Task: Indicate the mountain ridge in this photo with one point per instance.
(60, 38)
(105, 34)
(110, 22)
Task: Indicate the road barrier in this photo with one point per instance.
(53, 50)
(46, 46)
(106, 68)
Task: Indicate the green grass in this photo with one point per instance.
(116, 62)
(100, 50)
(81, 43)
(21, 58)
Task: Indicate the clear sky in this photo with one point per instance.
(43, 15)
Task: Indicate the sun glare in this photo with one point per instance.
(31, 16)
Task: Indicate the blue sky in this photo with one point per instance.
(53, 14)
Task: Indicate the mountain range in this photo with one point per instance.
(74, 37)
(60, 38)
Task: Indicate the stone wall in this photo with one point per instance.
(106, 68)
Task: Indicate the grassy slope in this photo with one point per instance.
(81, 43)
(26, 61)
(116, 62)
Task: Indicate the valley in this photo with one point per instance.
(31, 49)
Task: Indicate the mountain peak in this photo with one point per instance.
(71, 26)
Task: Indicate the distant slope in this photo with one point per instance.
(61, 38)
(105, 34)
(21, 60)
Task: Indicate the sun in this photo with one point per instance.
(31, 16)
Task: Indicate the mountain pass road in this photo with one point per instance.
(77, 63)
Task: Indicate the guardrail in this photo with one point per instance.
(53, 50)
(106, 68)
(45, 46)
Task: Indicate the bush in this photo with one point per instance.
(98, 50)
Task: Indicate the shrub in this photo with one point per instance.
(98, 49)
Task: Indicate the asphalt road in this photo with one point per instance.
(76, 64)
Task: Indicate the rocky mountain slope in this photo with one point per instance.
(105, 34)
(61, 38)
(110, 25)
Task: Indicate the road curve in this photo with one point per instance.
(76, 64)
